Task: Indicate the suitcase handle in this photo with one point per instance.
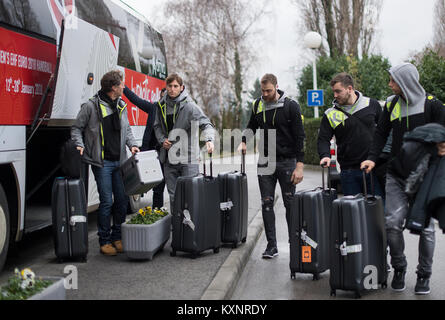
(365, 187)
(329, 179)
(243, 162)
(211, 165)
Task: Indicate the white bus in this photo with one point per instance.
(53, 54)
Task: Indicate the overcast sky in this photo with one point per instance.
(405, 26)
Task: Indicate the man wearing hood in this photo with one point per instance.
(176, 129)
(352, 120)
(101, 133)
(276, 113)
(410, 107)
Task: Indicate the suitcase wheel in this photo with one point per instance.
(235, 245)
(358, 295)
(216, 250)
(60, 260)
(244, 240)
(316, 277)
(84, 260)
(292, 276)
(385, 285)
(194, 255)
(173, 253)
(333, 293)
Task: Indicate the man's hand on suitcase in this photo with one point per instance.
(297, 175)
(210, 146)
(441, 147)
(242, 148)
(135, 150)
(367, 165)
(80, 150)
(167, 144)
(325, 162)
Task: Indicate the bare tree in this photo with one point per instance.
(347, 25)
(208, 42)
(439, 27)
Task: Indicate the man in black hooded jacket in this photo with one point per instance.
(409, 108)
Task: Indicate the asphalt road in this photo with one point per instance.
(110, 278)
(270, 279)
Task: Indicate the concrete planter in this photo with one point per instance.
(56, 291)
(142, 241)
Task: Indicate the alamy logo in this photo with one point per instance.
(371, 281)
(71, 280)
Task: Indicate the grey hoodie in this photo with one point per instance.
(188, 119)
(407, 77)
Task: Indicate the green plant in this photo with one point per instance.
(431, 68)
(148, 215)
(311, 127)
(23, 285)
(369, 73)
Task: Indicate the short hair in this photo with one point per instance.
(110, 79)
(163, 90)
(344, 78)
(269, 78)
(174, 77)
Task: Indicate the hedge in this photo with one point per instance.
(311, 127)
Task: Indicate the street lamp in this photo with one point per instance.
(312, 40)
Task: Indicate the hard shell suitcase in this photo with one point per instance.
(70, 222)
(141, 172)
(309, 230)
(196, 215)
(358, 244)
(234, 205)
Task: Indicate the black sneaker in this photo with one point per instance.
(422, 286)
(398, 281)
(270, 253)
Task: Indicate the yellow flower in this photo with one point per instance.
(142, 212)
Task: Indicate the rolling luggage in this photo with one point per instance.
(309, 230)
(70, 223)
(141, 173)
(196, 215)
(234, 205)
(358, 244)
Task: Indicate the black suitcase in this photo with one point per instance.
(70, 222)
(234, 205)
(358, 243)
(196, 215)
(309, 230)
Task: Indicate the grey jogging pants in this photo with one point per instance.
(396, 212)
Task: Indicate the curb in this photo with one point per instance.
(227, 277)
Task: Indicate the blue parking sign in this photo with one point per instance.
(315, 98)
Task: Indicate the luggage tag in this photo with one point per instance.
(306, 254)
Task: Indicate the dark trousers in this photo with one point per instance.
(352, 183)
(158, 193)
(267, 183)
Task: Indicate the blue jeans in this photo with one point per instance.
(109, 183)
(352, 183)
(267, 183)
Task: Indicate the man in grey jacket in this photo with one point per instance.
(101, 132)
(176, 128)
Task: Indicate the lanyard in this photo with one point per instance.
(164, 114)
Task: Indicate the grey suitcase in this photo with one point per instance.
(234, 205)
(70, 221)
(196, 215)
(309, 230)
(358, 243)
(141, 172)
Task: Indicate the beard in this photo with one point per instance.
(344, 101)
(270, 98)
